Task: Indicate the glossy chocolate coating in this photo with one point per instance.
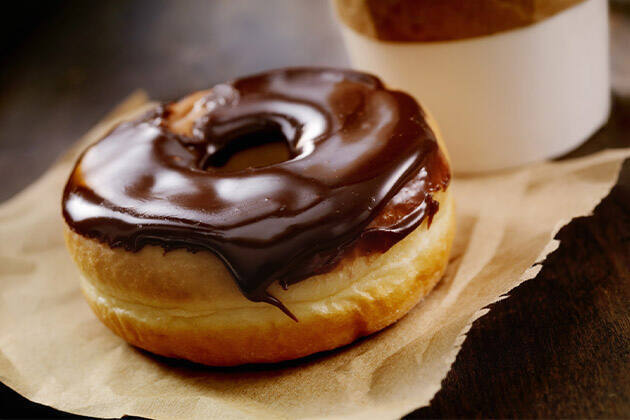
(353, 146)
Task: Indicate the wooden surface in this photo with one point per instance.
(558, 347)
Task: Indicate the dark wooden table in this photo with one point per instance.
(558, 347)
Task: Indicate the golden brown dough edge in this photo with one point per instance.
(388, 286)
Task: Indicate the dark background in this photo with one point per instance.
(558, 347)
(65, 64)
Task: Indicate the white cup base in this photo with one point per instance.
(506, 99)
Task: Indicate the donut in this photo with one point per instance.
(265, 219)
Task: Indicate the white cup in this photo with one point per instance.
(509, 98)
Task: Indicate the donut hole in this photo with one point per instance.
(253, 150)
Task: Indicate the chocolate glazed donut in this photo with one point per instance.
(362, 170)
(353, 144)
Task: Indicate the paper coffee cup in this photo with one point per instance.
(507, 98)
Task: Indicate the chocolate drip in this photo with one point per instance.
(362, 168)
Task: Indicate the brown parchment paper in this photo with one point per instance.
(54, 351)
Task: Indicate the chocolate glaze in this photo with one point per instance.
(363, 166)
